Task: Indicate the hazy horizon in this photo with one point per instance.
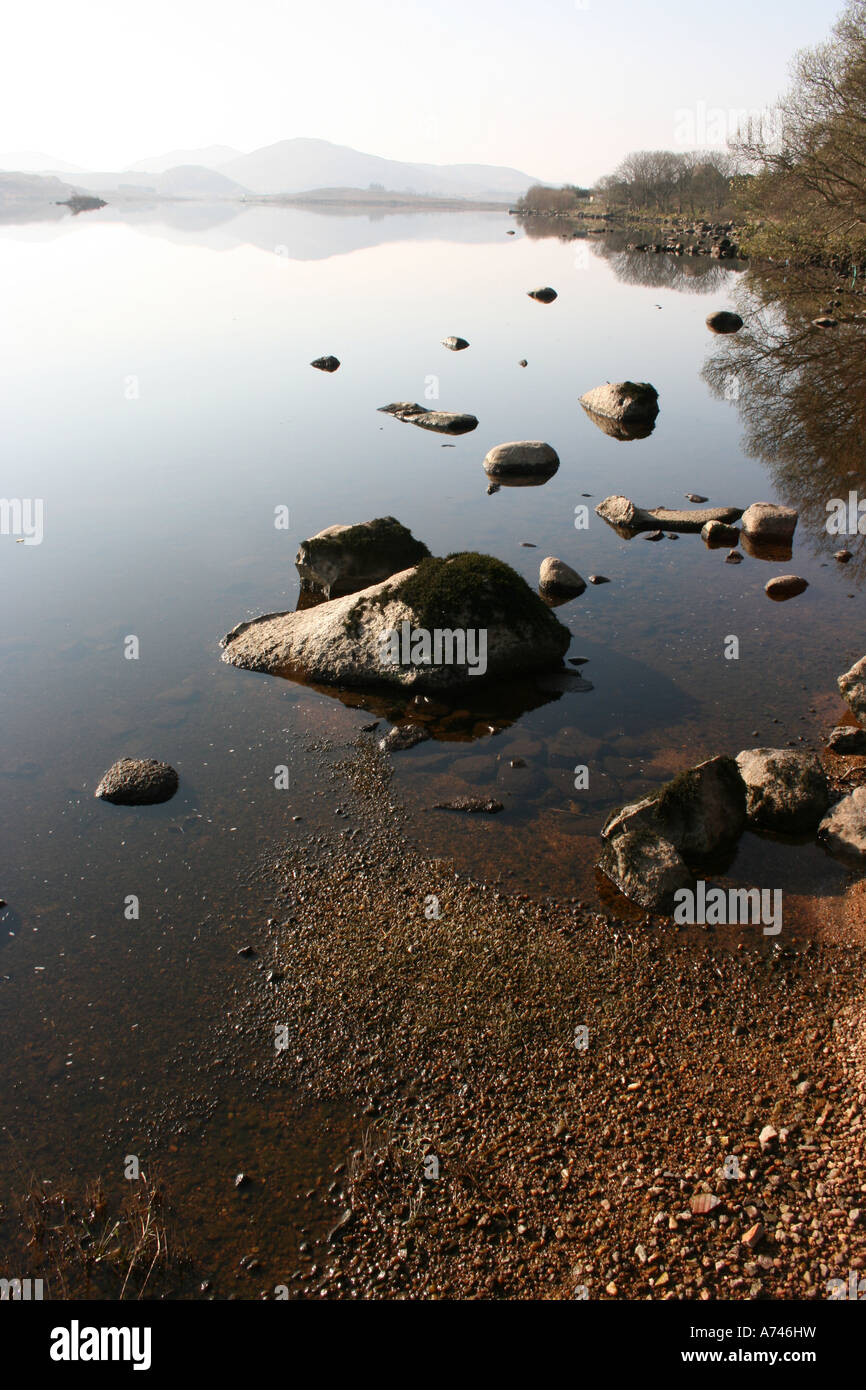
(563, 94)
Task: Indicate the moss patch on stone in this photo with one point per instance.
(678, 796)
(371, 538)
(442, 593)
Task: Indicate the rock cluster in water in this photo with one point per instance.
(340, 642)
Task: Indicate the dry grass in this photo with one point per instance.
(115, 1247)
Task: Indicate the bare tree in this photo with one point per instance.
(809, 155)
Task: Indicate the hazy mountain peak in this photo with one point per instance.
(211, 157)
(302, 163)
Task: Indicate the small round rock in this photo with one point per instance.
(557, 579)
(785, 586)
(137, 782)
(724, 322)
(544, 295)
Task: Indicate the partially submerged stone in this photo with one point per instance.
(403, 736)
(785, 586)
(622, 514)
(647, 845)
(343, 559)
(137, 782)
(843, 831)
(852, 687)
(529, 460)
(646, 868)
(786, 790)
(558, 582)
(704, 808)
(719, 533)
(724, 322)
(769, 521)
(442, 421)
(625, 401)
(490, 623)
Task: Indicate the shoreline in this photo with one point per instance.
(562, 1167)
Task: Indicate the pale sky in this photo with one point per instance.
(560, 89)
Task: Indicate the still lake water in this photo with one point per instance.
(156, 394)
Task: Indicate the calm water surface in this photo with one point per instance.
(156, 394)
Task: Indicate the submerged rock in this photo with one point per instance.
(724, 322)
(343, 559)
(767, 521)
(403, 736)
(786, 790)
(558, 582)
(488, 620)
(326, 364)
(472, 804)
(852, 687)
(545, 295)
(625, 517)
(785, 586)
(525, 459)
(843, 831)
(455, 344)
(137, 782)
(442, 421)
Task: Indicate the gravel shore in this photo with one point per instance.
(505, 1152)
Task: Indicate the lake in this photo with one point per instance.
(157, 397)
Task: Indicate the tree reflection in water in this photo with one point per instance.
(801, 392)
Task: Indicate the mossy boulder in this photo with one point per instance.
(343, 641)
(704, 808)
(343, 559)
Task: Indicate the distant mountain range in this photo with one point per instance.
(211, 157)
(288, 167)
